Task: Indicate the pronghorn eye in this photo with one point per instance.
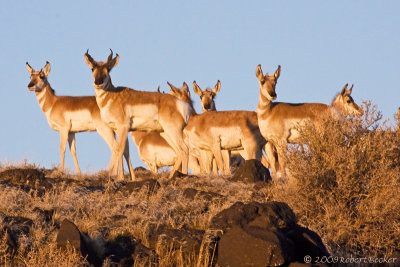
(348, 101)
(262, 82)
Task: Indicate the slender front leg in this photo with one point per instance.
(226, 156)
(72, 148)
(214, 167)
(216, 150)
(122, 136)
(63, 143)
(272, 157)
(128, 161)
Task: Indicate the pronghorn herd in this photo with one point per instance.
(168, 131)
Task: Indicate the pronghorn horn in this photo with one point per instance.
(89, 57)
(110, 56)
(351, 89)
(344, 89)
(29, 67)
(172, 87)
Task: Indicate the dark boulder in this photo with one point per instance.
(263, 234)
(251, 171)
(191, 193)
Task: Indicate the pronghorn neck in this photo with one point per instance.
(46, 98)
(190, 102)
(264, 104)
(337, 105)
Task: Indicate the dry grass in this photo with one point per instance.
(344, 185)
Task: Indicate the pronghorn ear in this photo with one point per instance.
(113, 62)
(259, 73)
(350, 90)
(185, 87)
(89, 60)
(46, 68)
(197, 89)
(30, 70)
(216, 88)
(344, 89)
(277, 72)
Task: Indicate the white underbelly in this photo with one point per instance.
(230, 138)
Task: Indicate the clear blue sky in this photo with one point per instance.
(321, 45)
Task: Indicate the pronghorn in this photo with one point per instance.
(207, 96)
(153, 148)
(278, 121)
(221, 132)
(69, 115)
(125, 109)
(208, 104)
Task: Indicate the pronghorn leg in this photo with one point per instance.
(153, 168)
(272, 157)
(174, 138)
(128, 160)
(214, 167)
(281, 152)
(194, 164)
(63, 143)
(108, 135)
(216, 150)
(205, 161)
(226, 156)
(72, 148)
(122, 136)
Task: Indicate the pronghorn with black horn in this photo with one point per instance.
(125, 109)
(153, 148)
(278, 121)
(69, 115)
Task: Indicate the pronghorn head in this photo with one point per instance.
(181, 93)
(268, 82)
(207, 96)
(345, 103)
(101, 70)
(38, 78)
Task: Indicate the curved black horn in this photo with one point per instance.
(110, 56)
(350, 90)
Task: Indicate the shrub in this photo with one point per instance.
(346, 183)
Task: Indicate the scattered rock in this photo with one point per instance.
(125, 250)
(18, 225)
(186, 240)
(45, 215)
(152, 186)
(238, 214)
(11, 249)
(251, 171)
(13, 227)
(70, 234)
(191, 193)
(178, 174)
(253, 247)
(140, 169)
(31, 178)
(263, 234)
